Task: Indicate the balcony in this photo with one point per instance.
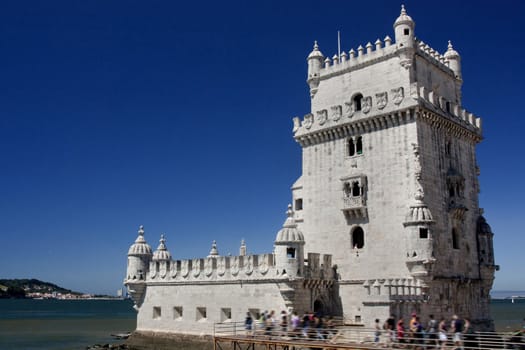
(354, 207)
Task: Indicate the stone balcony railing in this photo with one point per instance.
(354, 207)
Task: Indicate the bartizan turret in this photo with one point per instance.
(289, 248)
(139, 257)
(405, 37)
(454, 60)
(315, 63)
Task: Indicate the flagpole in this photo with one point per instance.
(339, 45)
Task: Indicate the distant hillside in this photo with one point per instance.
(19, 288)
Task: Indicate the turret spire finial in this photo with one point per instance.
(289, 211)
(316, 47)
(450, 45)
(214, 252)
(403, 11)
(141, 230)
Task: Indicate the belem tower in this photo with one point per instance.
(384, 219)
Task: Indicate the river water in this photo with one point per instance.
(27, 324)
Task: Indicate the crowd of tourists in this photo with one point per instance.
(439, 334)
(310, 325)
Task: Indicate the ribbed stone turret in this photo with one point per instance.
(289, 233)
(214, 252)
(140, 247)
(289, 247)
(162, 253)
(454, 60)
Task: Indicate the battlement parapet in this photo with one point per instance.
(453, 110)
(433, 56)
(319, 266)
(395, 289)
(234, 268)
(364, 56)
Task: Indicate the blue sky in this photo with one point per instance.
(178, 116)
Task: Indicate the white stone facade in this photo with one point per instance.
(385, 216)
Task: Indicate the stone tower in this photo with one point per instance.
(389, 182)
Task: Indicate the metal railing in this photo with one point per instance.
(358, 337)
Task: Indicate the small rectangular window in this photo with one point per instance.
(298, 204)
(226, 314)
(407, 31)
(357, 319)
(290, 253)
(157, 312)
(423, 233)
(201, 314)
(177, 312)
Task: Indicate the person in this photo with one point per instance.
(283, 323)
(390, 327)
(318, 322)
(457, 328)
(442, 333)
(306, 324)
(412, 328)
(401, 332)
(377, 332)
(295, 323)
(432, 327)
(248, 323)
(469, 335)
(418, 334)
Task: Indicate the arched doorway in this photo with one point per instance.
(319, 307)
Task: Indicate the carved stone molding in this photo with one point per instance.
(185, 268)
(196, 267)
(248, 265)
(235, 265)
(208, 266)
(221, 266)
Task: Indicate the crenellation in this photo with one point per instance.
(368, 48)
(378, 44)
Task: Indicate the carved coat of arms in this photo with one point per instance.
(382, 100)
(366, 104)
(349, 109)
(308, 120)
(398, 95)
(337, 112)
(322, 116)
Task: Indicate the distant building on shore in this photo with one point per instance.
(385, 216)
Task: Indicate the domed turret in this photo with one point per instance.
(162, 253)
(404, 29)
(315, 63)
(454, 60)
(214, 252)
(289, 248)
(139, 256)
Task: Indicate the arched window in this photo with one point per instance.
(359, 145)
(455, 239)
(357, 102)
(356, 191)
(358, 238)
(351, 147)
